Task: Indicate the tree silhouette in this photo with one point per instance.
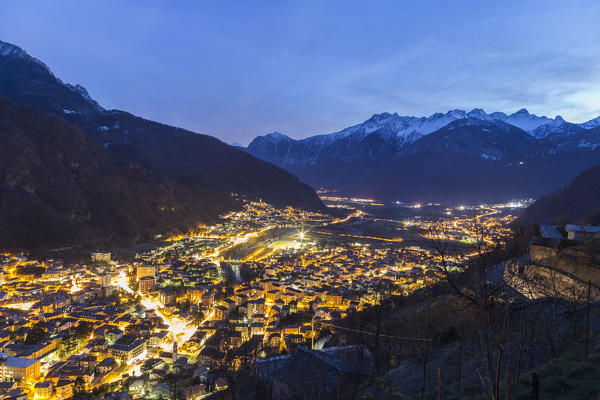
(36, 334)
(79, 391)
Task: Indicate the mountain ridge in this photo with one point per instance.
(187, 157)
(169, 179)
(382, 157)
(414, 126)
(58, 187)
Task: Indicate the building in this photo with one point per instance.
(106, 280)
(100, 257)
(146, 270)
(229, 303)
(147, 284)
(256, 307)
(221, 313)
(43, 390)
(64, 388)
(579, 232)
(106, 365)
(207, 299)
(550, 231)
(333, 299)
(157, 339)
(310, 374)
(195, 295)
(19, 369)
(167, 296)
(129, 351)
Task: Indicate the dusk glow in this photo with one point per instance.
(242, 69)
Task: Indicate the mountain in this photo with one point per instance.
(578, 202)
(29, 81)
(186, 157)
(456, 156)
(592, 123)
(58, 187)
(153, 178)
(392, 133)
(525, 120)
(558, 126)
(473, 138)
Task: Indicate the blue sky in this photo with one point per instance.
(238, 69)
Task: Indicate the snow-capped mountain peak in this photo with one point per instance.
(391, 135)
(499, 115)
(525, 120)
(592, 123)
(9, 50)
(478, 113)
(407, 129)
(276, 137)
(16, 58)
(522, 111)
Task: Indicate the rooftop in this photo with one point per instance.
(550, 231)
(17, 362)
(582, 228)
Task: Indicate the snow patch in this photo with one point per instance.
(592, 123)
(105, 128)
(587, 145)
(489, 157)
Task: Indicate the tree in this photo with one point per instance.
(36, 334)
(82, 331)
(238, 367)
(470, 278)
(79, 391)
(133, 283)
(67, 347)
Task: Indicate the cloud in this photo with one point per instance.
(306, 68)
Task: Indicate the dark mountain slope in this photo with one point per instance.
(190, 159)
(461, 162)
(193, 159)
(58, 187)
(472, 138)
(579, 202)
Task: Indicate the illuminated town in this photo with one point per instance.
(262, 278)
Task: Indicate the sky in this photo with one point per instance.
(238, 69)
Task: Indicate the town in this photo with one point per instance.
(263, 281)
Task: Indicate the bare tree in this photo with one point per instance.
(471, 278)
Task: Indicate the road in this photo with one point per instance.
(180, 329)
